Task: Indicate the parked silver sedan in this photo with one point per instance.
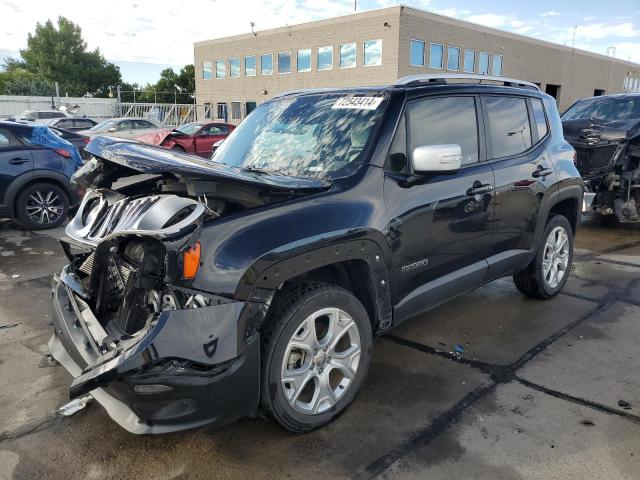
(124, 127)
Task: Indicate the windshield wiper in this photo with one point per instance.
(261, 170)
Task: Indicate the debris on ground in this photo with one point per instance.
(73, 406)
(15, 275)
(458, 350)
(587, 423)
(624, 404)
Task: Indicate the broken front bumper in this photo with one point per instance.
(188, 369)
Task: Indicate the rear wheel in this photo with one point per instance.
(316, 354)
(41, 206)
(548, 272)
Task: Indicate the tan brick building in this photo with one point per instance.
(236, 73)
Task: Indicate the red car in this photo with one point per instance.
(195, 137)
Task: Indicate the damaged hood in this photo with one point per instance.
(154, 138)
(147, 159)
(591, 131)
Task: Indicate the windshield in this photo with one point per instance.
(103, 126)
(609, 109)
(310, 136)
(189, 128)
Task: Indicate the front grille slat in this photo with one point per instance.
(598, 159)
(121, 215)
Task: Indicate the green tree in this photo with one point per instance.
(60, 55)
(187, 79)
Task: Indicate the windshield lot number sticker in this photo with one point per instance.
(358, 103)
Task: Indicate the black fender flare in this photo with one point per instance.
(259, 283)
(38, 175)
(565, 192)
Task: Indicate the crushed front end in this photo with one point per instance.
(158, 355)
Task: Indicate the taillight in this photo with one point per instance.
(191, 261)
(63, 152)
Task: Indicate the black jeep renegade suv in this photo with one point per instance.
(202, 291)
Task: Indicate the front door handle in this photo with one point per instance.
(479, 188)
(541, 172)
(18, 161)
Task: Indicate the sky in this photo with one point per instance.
(144, 36)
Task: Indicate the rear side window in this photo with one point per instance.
(445, 121)
(539, 117)
(508, 131)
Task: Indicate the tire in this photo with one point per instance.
(309, 404)
(533, 281)
(55, 208)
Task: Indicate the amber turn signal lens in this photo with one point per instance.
(191, 261)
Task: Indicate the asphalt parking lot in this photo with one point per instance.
(541, 390)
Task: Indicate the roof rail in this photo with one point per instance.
(304, 90)
(442, 78)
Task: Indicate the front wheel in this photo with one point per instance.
(548, 272)
(316, 354)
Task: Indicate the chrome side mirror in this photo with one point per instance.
(436, 158)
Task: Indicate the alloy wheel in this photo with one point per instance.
(44, 206)
(321, 361)
(555, 260)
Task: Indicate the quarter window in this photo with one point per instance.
(266, 64)
(348, 55)
(372, 53)
(469, 61)
(304, 60)
(234, 67)
(436, 54)
(539, 117)
(444, 121)
(221, 69)
(206, 70)
(483, 64)
(416, 57)
(250, 66)
(325, 58)
(284, 62)
(508, 133)
(496, 66)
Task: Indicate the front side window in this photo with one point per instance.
(496, 65)
(416, 56)
(483, 63)
(469, 61)
(304, 60)
(266, 64)
(325, 58)
(539, 117)
(206, 70)
(234, 67)
(284, 62)
(318, 135)
(372, 53)
(221, 69)
(453, 58)
(348, 55)
(250, 66)
(436, 54)
(445, 121)
(508, 131)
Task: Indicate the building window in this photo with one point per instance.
(206, 70)
(234, 67)
(325, 58)
(236, 113)
(284, 62)
(483, 64)
(496, 65)
(469, 61)
(436, 52)
(372, 53)
(249, 107)
(347, 55)
(453, 58)
(266, 64)
(221, 69)
(304, 60)
(250, 66)
(207, 110)
(416, 56)
(509, 132)
(222, 111)
(598, 92)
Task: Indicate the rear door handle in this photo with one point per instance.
(541, 172)
(18, 161)
(479, 188)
